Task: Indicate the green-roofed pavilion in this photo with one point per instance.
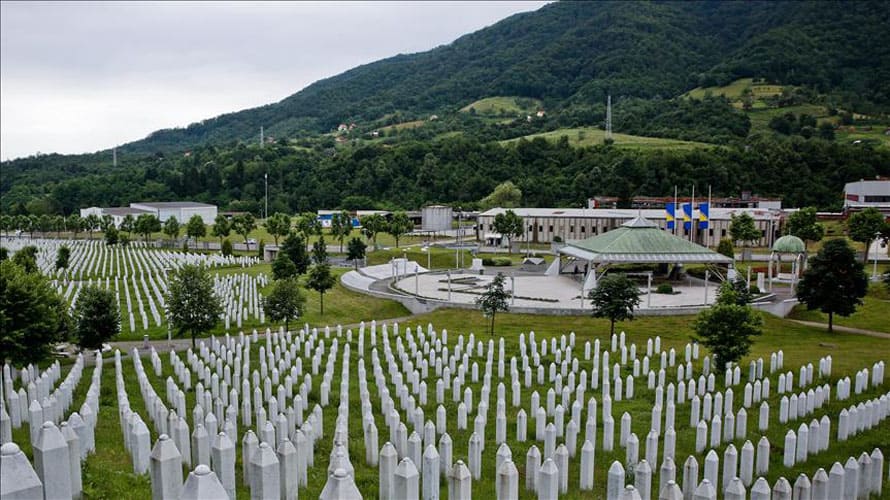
(640, 241)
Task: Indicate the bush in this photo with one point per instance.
(503, 261)
(185, 247)
(226, 248)
(557, 239)
(487, 261)
(261, 248)
(665, 288)
(725, 248)
(754, 289)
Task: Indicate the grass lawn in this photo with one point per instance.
(873, 314)
(502, 105)
(593, 136)
(108, 473)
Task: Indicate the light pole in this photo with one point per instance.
(877, 243)
(266, 178)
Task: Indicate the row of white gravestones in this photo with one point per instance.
(58, 454)
(862, 417)
(391, 361)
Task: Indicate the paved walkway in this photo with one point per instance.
(844, 329)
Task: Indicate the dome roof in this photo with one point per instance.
(789, 244)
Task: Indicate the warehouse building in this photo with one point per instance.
(182, 210)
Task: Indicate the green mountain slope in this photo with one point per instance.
(570, 55)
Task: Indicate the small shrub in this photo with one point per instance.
(487, 261)
(261, 248)
(227, 248)
(185, 247)
(665, 288)
(503, 261)
(754, 289)
(725, 248)
(557, 239)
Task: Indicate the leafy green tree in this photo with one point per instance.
(803, 224)
(320, 251)
(75, 224)
(128, 224)
(6, 223)
(308, 226)
(105, 222)
(494, 299)
(33, 315)
(243, 224)
(742, 228)
(505, 195)
(63, 255)
(221, 228)
(865, 227)
(278, 226)
(834, 282)
(226, 248)
(111, 235)
(285, 302)
(195, 228)
(58, 225)
(510, 225)
(26, 258)
(614, 297)
(321, 280)
(372, 225)
(91, 223)
(171, 228)
(727, 328)
(725, 248)
(96, 317)
(283, 267)
(295, 250)
(147, 224)
(356, 251)
(193, 305)
(399, 225)
(4, 254)
(341, 227)
(735, 292)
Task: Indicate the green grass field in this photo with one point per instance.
(873, 314)
(502, 105)
(108, 472)
(593, 136)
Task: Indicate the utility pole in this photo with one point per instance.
(609, 118)
(266, 211)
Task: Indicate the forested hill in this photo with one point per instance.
(571, 54)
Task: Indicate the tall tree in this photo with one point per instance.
(803, 224)
(321, 280)
(97, 318)
(834, 282)
(62, 257)
(742, 228)
(111, 235)
(195, 228)
(509, 225)
(320, 251)
(372, 225)
(866, 226)
(494, 299)
(171, 228)
(278, 226)
(146, 224)
(33, 315)
(399, 225)
(283, 267)
(356, 251)
(91, 223)
(505, 195)
(243, 224)
(294, 250)
(728, 327)
(614, 297)
(308, 226)
(341, 227)
(221, 228)
(75, 224)
(193, 305)
(128, 224)
(26, 258)
(285, 302)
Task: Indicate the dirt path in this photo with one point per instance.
(844, 329)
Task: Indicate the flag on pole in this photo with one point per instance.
(687, 216)
(670, 215)
(704, 217)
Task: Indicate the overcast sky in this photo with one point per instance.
(81, 77)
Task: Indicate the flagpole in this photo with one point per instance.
(675, 211)
(691, 214)
(710, 230)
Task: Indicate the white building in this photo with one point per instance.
(182, 210)
(863, 194)
(436, 218)
(117, 213)
(543, 224)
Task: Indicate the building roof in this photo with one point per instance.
(875, 187)
(789, 244)
(640, 241)
(173, 204)
(124, 211)
(626, 213)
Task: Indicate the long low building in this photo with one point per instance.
(182, 210)
(543, 224)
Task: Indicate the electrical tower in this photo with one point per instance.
(261, 136)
